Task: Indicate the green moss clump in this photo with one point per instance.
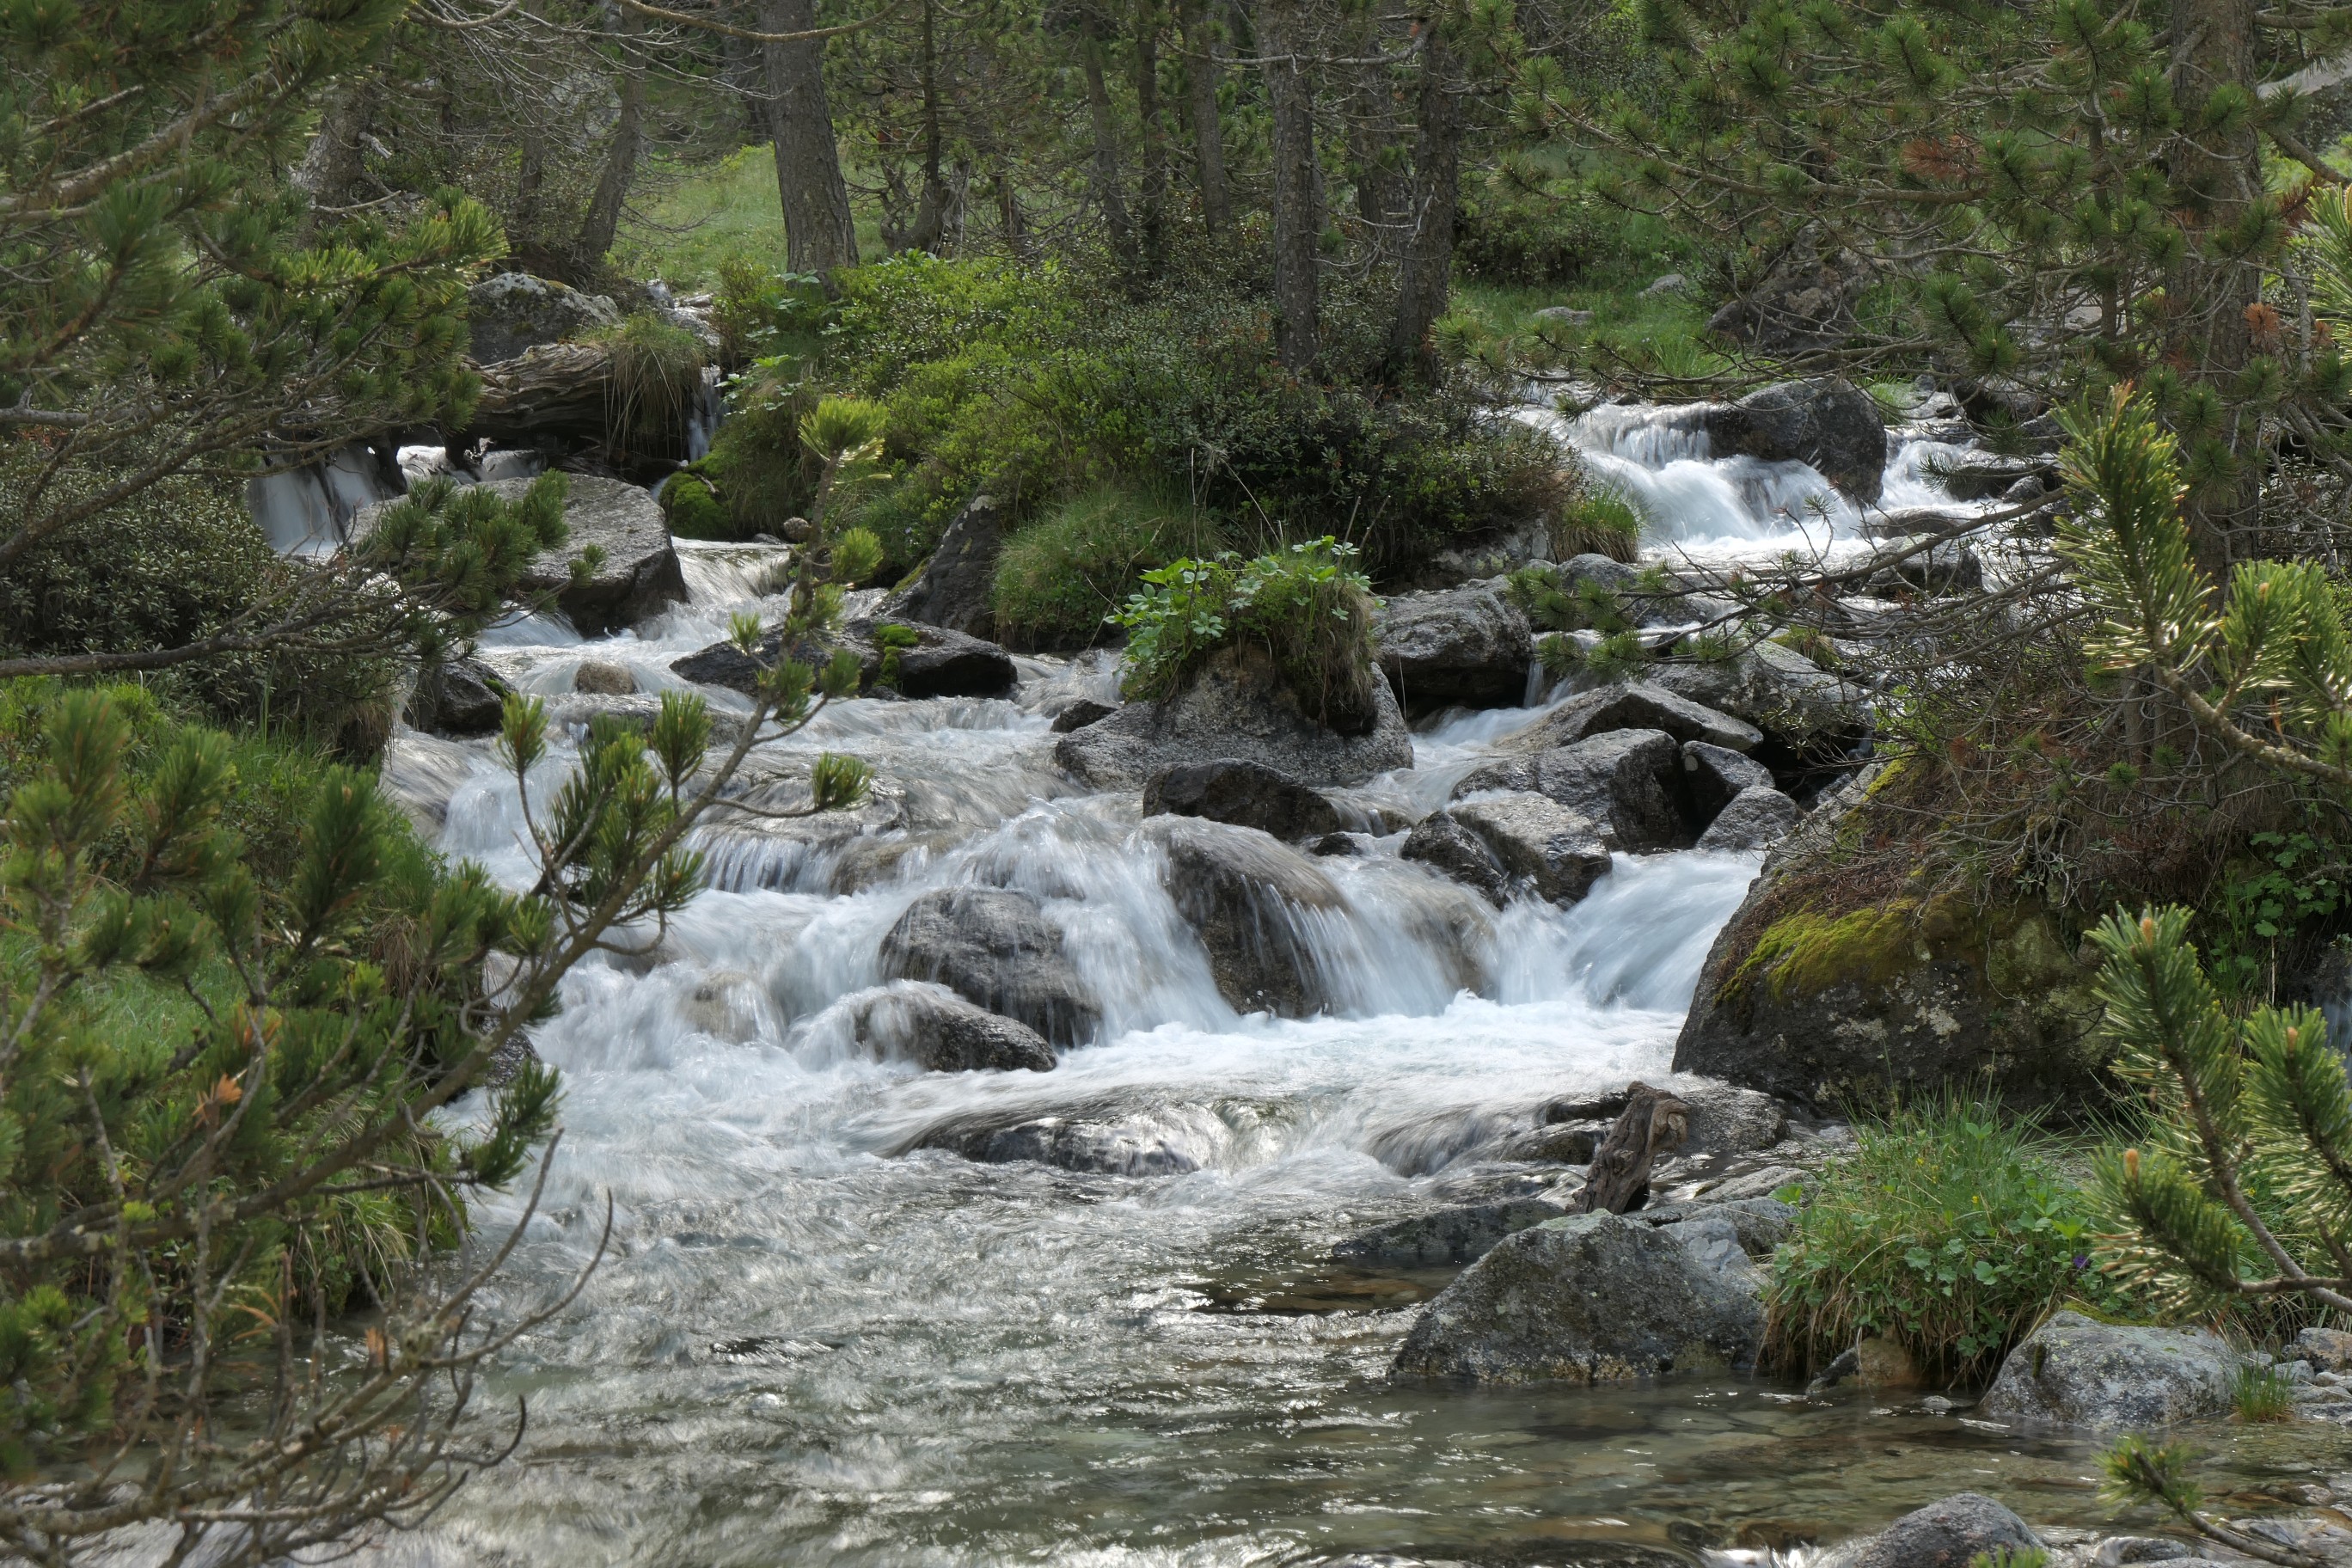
(1804, 955)
(757, 464)
(1059, 579)
(695, 510)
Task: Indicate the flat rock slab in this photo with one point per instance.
(1589, 1298)
(1558, 852)
(1635, 705)
(1624, 780)
(2075, 1371)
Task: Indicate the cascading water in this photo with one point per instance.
(823, 1336)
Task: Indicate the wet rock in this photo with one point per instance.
(1806, 712)
(1236, 707)
(463, 697)
(725, 1004)
(1623, 781)
(1080, 714)
(1815, 997)
(602, 677)
(1094, 1146)
(1831, 425)
(514, 311)
(1759, 818)
(1443, 843)
(956, 584)
(1588, 1299)
(2077, 1372)
(1245, 895)
(1343, 843)
(994, 949)
(1638, 705)
(1559, 1143)
(1712, 774)
(942, 663)
(639, 574)
(1466, 645)
(419, 775)
(1560, 852)
(1950, 1533)
(941, 1032)
(1242, 794)
(1726, 1119)
(1463, 1233)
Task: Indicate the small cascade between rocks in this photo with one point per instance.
(857, 1311)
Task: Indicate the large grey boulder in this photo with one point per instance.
(2077, 1372)
(1637, 705)
(993, 948)
(1236, 707)
(460, 697)
(1559, 852)
(957, 584)
(941, 1032)
(1951, 1532)
(1792, 700)
(1467, 645)
(1456, 1235)
(1622, 781)
(1245, 895)
(1591, 1299)
(1245, 794)
(1712, 774)
(514, 311)
(1759, 818)
(1830, 423)
(639, 574)
(1444, 843)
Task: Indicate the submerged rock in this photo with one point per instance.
(940, 1031)
(1623, 783)
(1103, 1145)
(1467, 645)
(955, 588)
(1758, 817)
(1950, 1533)
(1242, 794)
(1442, 842)
(1234, 708)
(2078, 1372)
(1463, 1233)
(1559, 852)
(1246, 896)
(1592, 1299)
(604, 678)
(994, 949)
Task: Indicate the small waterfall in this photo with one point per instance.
(306, 511)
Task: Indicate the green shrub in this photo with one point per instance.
(1060, 579)
(1597, 521)
(694, 509)
(1948, 1231)
(759, 314)
(1306, 607)
(657, 381)
(2262, 1394)
(1509, 234)
(757, 464)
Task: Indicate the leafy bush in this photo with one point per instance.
(1059, 579)
(1306, 607)
(1947, 1231)
(1510, 234)
(757, 464)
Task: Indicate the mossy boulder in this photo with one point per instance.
(1825, 988)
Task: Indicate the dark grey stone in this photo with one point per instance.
(1831, 425)
(514, 311)
(991, 947)
(941, 1032)
(1081, 713)
(1466, 645)
(1759, 818)
(464, 697)
(956, 586)
(1443, 843)
(1243, 892)
(1637, 705)
(1712, 774)
(1242, 794)
(1463, 1233)
(1559, 852)
(1948, 1533)
(1624, 781)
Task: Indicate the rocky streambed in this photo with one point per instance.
(1149, 1135)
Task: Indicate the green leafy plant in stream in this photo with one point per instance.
(1947, 1231)
(1306, 607)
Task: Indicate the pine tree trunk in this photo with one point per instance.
(932, 212)
(1424, 274)
(2217, 177)
(1154, 193)
(1371, 132)
(602, 219)
(1108, 196)
(1297, 224)
(1200, 93)
(331, 165)
(820, 234)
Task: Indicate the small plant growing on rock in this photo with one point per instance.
(2262, 1394)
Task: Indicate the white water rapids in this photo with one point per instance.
(810, 1344)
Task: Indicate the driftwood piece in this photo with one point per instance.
(1654, 1125)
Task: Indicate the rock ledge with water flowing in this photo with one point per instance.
(1468, 647)
(1247, 895)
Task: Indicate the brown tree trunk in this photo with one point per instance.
(1653, 1125)
(2217, 177)
(331, 165)
(1200, 93)
(1153, 197)
(820, 234)
(1297, 222)
(1106, 194)
(1424, 272)
(932, 212)
(602, 219)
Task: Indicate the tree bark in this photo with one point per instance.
(1653, 1125)
(602, 219)
(1201, 94)
(1106, 194)
(2217, 179)
(1426, 269)
(331, 165)
(820, 234)
(1297, 223)
(931, 211)
(1153, 198)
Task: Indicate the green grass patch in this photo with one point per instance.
(701, 213)
(1059, 579)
